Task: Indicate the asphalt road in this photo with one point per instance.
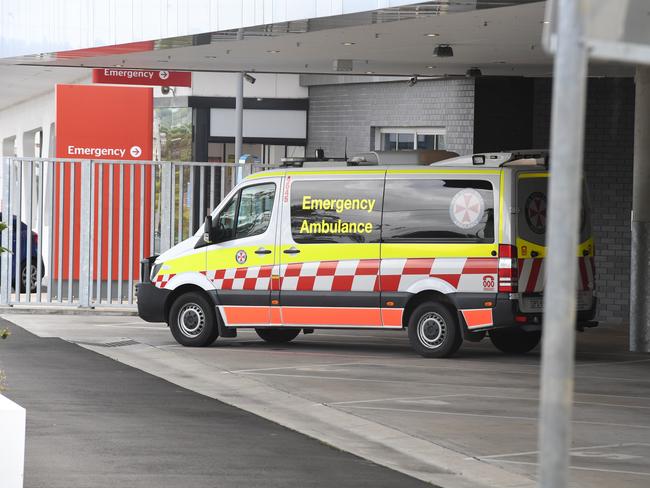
(94, 422)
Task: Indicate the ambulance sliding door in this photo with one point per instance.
(329, 249)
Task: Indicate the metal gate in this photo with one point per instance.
(77, 229)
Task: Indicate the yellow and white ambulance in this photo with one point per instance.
(450, 251)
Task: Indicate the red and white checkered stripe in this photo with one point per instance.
(532, 274)
(463, 274)
(251, 278)
(161, 280)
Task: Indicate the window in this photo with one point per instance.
(341, 211)
(409, 138)
(438, 210)
(251, 208)
(255, 208)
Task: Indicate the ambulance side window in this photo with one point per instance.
(255, 207)
(226, 219)
(438, 210)
(336, 211)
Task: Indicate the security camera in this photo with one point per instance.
(249, 78)
(473, 72)
(413, 80)
(165, 90)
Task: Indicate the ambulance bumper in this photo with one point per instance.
(151, 302)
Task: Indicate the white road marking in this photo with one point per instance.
(463, 414)
(321, 365)
(601, 470)
(528, 453)
(395, 399)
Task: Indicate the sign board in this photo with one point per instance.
(103, 122)
(149, 77)
(614, 30)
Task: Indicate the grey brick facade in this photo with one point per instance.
(354, 110)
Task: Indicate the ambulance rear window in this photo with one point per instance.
(532, 204)
(438, 210)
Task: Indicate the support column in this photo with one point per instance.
(565, 188)
(239, 109)
(639, 288)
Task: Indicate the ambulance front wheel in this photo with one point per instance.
(192, 320)
(278, 336)
(515, 341)
(433, 330)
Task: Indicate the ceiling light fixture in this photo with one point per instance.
(370, 72)
(272, 51)
(432, 34)
(348, 43)
(431, 67)
(443, 51)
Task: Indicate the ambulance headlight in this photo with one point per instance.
(154, 270)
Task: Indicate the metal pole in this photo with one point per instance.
(5, 258)
(239, 109)
(565, 189)
(639, 289)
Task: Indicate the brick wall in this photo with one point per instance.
(609, 144)
(353, 110)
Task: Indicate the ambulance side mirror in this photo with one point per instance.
(208, 230)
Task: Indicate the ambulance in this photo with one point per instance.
(450, 251)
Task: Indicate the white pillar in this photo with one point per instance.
(639, 288)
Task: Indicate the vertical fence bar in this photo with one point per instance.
(152, 212)
(120, 234)
(191, 202)
(85, 234)
(565, 191)
(222, 182)
(100, 229)
(181, 174)
(28, 231)
(141, 230)
(166, 202)
(109, 241)
(129, 291)
(212, 182)
(71, 227)
(201, 194)
(19, 232)
(175, 238)
(7, 235)
(61, 227)
(40, 206)
(52, 199)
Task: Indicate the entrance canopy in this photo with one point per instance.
(431, 39)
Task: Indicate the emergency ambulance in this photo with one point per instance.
(450, 251)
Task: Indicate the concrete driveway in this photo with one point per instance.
(466, 421)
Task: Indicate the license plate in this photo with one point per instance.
(535, 304)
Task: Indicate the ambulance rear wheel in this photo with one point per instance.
(433, 330)
(278, 336)
(192, 320)
(515, 341)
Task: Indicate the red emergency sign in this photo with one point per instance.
(123, 76)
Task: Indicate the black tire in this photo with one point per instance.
(278, 336)
(434, 331)
(515, 341)
(192, 320)
(33, 269)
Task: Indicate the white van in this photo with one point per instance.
(450, 251)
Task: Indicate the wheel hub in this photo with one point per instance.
(432, 330)
(191, 320)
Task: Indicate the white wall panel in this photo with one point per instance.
(260, 123)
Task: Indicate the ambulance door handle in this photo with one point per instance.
(291, 250)
(262, 250)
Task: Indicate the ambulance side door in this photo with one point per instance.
(240, 264)
(329, 259)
